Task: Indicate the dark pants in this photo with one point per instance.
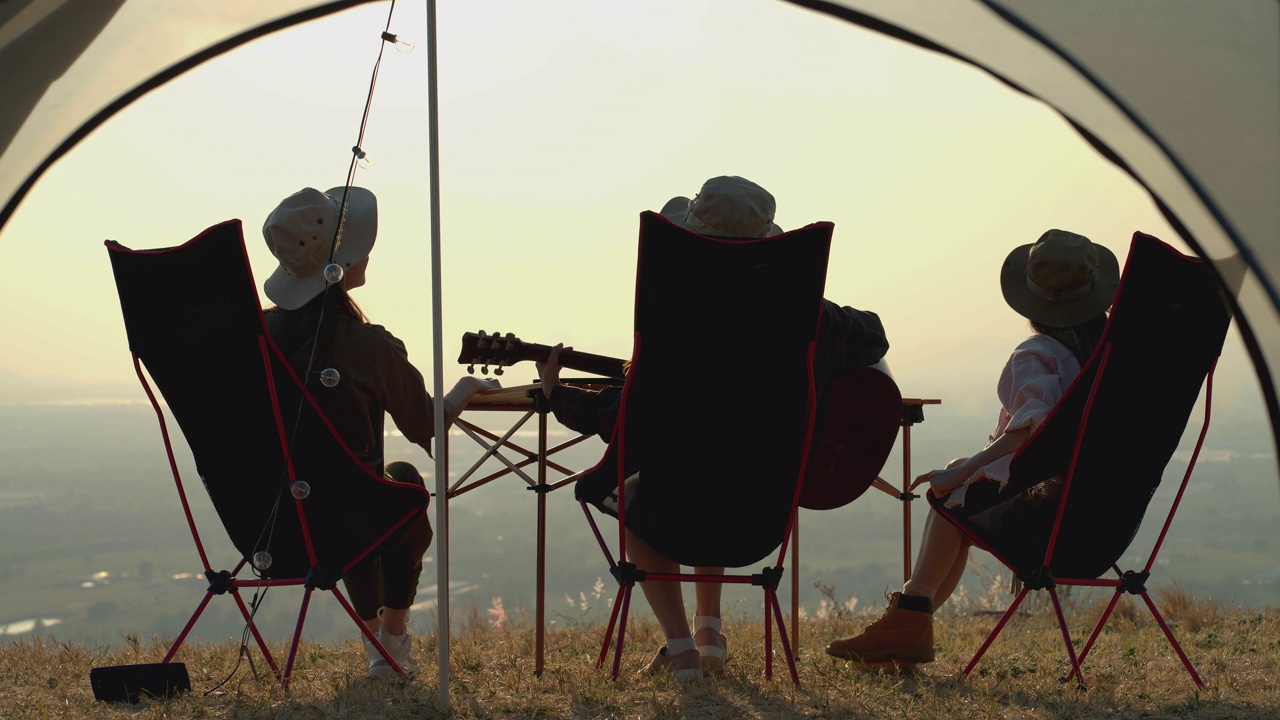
(390, 578)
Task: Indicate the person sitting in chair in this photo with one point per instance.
(1064, 285)
(730, 207)
(319, 325)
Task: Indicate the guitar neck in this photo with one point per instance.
(503, 350)
(574, 360)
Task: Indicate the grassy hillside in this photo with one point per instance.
(1132, 673)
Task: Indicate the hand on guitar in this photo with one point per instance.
(549, 369)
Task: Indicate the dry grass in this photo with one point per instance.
(1132, 674)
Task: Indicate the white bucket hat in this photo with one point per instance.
(1060, 280)
(299, 232)
(726, 206)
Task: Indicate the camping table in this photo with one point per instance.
(527, 400)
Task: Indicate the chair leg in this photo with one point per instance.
(248, 618)
(608, 632)
(772, 598)
(173, 649)
(1168, 634)
(1097, 630)
(1066, 637)
(622, 630)
(768, 638)
(996, 631)
(297, 636)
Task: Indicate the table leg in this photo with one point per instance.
(906, 504)
(541, 491)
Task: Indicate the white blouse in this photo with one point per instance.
(1034, 379)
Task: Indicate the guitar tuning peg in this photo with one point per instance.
(497, 371)
(471, 369)
(484, 369)
(482, 343)
(511, 336)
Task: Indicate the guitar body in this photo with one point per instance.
(856, 427)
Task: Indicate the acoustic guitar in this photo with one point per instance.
(856, 425)
(500, 351)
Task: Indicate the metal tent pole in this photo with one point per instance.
(442, 432)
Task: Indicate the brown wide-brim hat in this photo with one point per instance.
(299, 233)
(1060, 280)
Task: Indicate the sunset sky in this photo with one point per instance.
(560, 122)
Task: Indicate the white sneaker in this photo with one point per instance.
(400, 648)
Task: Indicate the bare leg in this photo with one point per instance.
(708, 594)
(665, 598)
(953, 578)
(944, 551)
(395, 622)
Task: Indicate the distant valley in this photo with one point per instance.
(93, 542)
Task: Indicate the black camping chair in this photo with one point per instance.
(1080, 487)
(299, 507)
(722, 458)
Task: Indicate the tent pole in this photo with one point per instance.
(442, 432)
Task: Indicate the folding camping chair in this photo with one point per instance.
(281, 480)
(1080, 487)
(717, 408)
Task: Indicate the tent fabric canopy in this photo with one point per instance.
(1184, 95)
(84, 60)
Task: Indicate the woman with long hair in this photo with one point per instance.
(317, 324)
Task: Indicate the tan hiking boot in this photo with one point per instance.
(685, 666)
(899, 636)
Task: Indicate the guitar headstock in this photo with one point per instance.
(484, 349)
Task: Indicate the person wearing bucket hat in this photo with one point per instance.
(728, 207)
(318, 326)
(1064, 285)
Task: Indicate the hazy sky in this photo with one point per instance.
(560, 123)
